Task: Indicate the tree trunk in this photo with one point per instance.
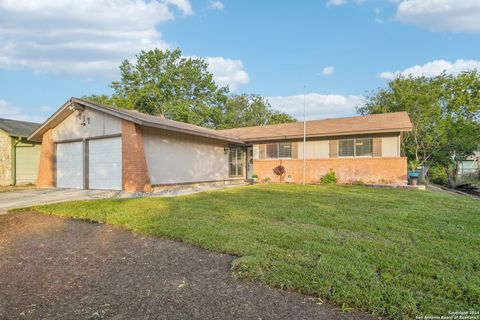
(424, 173)
(450, 176)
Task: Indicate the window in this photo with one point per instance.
(361, 147)
(272, 150)
(346, 148)
(279, 150)
(235, 159)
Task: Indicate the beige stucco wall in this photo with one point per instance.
(100, 124)
(391, 146)
(319, 148)
(179, 158)
(316, 149)
(5, 159)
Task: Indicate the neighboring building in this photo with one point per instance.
(92, 146)
(471, 165)
(18, 156)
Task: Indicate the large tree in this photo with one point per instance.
(168, 84)
(445, 113)
(179, 88)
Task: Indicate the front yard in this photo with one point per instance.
(398, 253)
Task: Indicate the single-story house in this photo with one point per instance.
(18, 156)
(93, 146)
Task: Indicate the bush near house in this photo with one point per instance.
(329, 178)
(399, 253)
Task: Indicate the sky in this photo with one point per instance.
(333, 51)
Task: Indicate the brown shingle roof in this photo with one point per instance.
(375, 123)
(133, 116)
(388, 122)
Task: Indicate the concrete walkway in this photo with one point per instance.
(33, 197)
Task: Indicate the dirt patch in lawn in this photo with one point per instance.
(57, 268)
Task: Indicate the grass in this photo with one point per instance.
(399, 253)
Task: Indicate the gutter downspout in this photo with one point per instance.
(14, 160)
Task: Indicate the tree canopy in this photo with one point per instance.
(247, 110)
(445, 112)
(164, 82)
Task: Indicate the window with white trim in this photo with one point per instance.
(235, 160)
(279, 150)
(359, 147)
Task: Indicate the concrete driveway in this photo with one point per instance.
(27, 198)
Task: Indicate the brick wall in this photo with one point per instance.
(47, 163)
(135, 175)
(367, 170)
(5, 159)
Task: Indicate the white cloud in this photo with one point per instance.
(433, 68)
(184, 5)
(81, 37)
(227, 72)
(217, 5)
(318, 106)
(9, 111)
(328, 70)
(336, 2)
(441, 15)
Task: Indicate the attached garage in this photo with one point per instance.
(104, 159)
(92, 146)
(70, 171)
(105, 163)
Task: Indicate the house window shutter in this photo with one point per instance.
(294, 150)
(261, 151)
(377, 147)
(333, 148)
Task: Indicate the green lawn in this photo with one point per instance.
(399, 253)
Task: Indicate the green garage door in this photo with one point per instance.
(27, 157)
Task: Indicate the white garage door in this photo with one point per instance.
(70, 165)
(105, 164)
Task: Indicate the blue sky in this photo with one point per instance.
(339, 49)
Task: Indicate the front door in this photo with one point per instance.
(249, 162)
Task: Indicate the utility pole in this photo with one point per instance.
(304, 132)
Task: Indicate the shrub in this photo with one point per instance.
(279, 170)
(437, 175)
(329, 178)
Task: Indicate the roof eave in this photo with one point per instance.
(338, 134)
(41, 130)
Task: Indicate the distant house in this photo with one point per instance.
(92, 146)
(18, 156)
(471, 164)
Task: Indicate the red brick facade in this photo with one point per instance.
(135, 177)
(46, 165)
(366, 170)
